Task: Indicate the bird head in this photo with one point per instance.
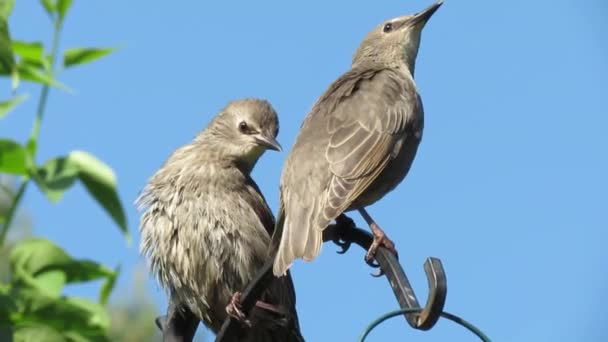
(245, 129)
(395, 41)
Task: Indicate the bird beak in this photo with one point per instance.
(268, 142)
(421, 18)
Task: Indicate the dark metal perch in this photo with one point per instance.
(343, 233)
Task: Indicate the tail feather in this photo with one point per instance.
(299, 238)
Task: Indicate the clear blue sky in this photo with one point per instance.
(508, 189)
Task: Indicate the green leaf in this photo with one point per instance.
(55, 177)
(37, 332)
(100, 181)
(68, 315)
(77, 56)
(6, 7)
(49, 6)
(108, 286)
(7, 59)
(7, 106)
(98, 315)
(7, 304)
(29, 71)
(13, 158)
(33, 53)
(62, 8)
(51, 282)
(31, 146)
(37, 256)
(75, 337)
(41, 265)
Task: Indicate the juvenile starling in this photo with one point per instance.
(356, 144)
(206, 227)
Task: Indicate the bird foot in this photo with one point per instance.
(234, 309)
(380, 239)
(343, 222)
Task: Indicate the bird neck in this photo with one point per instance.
(406, 65)
(229, 154)
(410, 67)
(245, 166)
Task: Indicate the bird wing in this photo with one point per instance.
(364, 127)
(344, 143)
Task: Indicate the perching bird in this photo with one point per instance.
(356, 144)
(206, 227)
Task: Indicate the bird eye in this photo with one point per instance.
(243, 127)
(388, 27)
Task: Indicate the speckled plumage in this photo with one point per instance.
(206, 226)
(356, 144)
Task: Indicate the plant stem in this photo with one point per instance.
(45, 91)
(12, 210)
(33, 140)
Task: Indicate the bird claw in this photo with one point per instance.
(373, 263)
(233, 309)
(377, 275)
(345, 245)
(343, 223)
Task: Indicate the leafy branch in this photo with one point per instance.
(32, 306)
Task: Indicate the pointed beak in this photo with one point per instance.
(421, 18)
(268, 142)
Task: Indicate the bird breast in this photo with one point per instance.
(218, 243)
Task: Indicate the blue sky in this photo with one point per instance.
(508, 188)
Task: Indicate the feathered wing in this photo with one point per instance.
(364, 132)
(351, 134)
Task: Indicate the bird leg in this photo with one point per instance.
(380, 239)
(234, 309)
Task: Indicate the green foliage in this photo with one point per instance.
(31, 53)
(56, 9)
(7, 60)
(7, 106)
(76, 56)
(31, 72)
(58, 174)
(40, 270)
(13, 157)
(33, 306)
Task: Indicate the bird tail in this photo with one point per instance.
(291, 241)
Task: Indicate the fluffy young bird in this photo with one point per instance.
(206, 227)
(356, 144)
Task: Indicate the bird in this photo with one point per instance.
(206, 227)
(355, 145)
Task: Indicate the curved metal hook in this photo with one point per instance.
(344, 230)
(438, 290)
(405, 295)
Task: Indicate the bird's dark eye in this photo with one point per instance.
(388, 27)
(243, 127)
